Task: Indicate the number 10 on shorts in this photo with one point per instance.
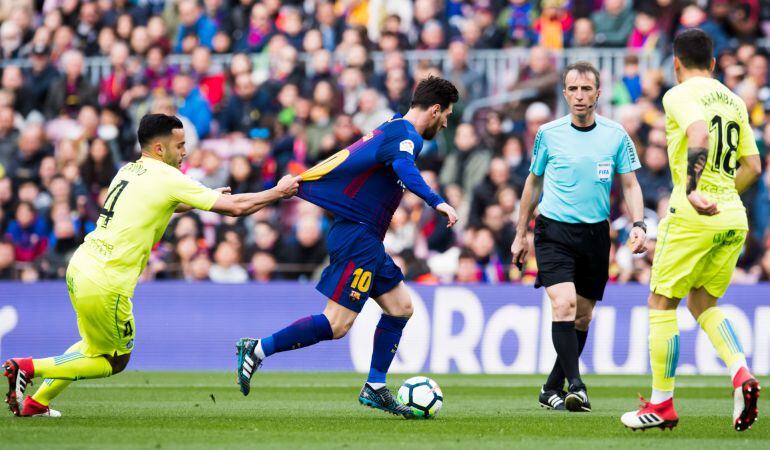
(362, 280)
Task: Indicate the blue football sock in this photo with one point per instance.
(386, 338)
(302, 333)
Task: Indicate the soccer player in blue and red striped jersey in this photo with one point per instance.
(362, 186)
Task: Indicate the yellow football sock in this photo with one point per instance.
(50, 388)
(664, 348)
(722, 335)
(72, 365)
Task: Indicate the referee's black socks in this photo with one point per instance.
(565, 341)
(555, 380)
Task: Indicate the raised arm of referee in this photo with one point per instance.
(573, 163)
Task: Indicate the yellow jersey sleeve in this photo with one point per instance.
(683, 107)
(184, 189)
(747, 145)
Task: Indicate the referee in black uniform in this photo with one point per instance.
(573, 163)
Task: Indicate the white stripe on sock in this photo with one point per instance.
(737, 366)
(259, 351)
(660, 396)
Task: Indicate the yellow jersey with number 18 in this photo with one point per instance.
(139, 204)
(730, 138)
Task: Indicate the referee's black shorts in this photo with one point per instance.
(573, 252)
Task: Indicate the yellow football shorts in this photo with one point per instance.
(689, 258)
(105, 319)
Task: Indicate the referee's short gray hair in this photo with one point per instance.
(582, 67)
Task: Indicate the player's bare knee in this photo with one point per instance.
(119, 362)
(564, 309)
(583, 321)
(340, 327)
(406, 310)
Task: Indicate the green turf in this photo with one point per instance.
(320, 410)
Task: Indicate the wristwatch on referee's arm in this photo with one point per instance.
(640, 224)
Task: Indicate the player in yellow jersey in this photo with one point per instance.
(713, 158)
(104, 270)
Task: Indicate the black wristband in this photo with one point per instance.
(641, 225)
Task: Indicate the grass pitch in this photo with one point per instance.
(154, 410)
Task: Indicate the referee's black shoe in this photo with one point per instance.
(552, 399)
(577, 399)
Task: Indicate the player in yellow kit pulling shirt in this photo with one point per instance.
(104, 270)
(713, 158)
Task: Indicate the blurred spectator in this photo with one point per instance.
(553, 25)
(402, 232)
(469, 84)
(243, 177)
(304, 254)
(740, 18)
(199, 268)
(31, 150)
(468, 164)
(538, 76)
(492, 135)
(98, 169)
(193, 24)
(502, 229)
(343, 134)
(63, 241)
(467, 272)
(613, 24)
(69, 93)
(517, 19)
(28, 233)
(489, 264)
(372, 111)
(114, 85)
(536, 115)
(263, 267)
(485, 192)
(518, 162)
(38, 78)
(646, 34)
(10, 40)
(654, 176)
(244, 109)
(259, 31)
(583, 33)
(210, 79)
(192, 103)
(226, 267)
(629, 88)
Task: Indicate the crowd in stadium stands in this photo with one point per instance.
(63, 137)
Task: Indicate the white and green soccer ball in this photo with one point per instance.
(422, 395)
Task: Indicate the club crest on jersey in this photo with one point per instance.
(355, 296)
(406, 146)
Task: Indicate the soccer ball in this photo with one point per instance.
(422, 395)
